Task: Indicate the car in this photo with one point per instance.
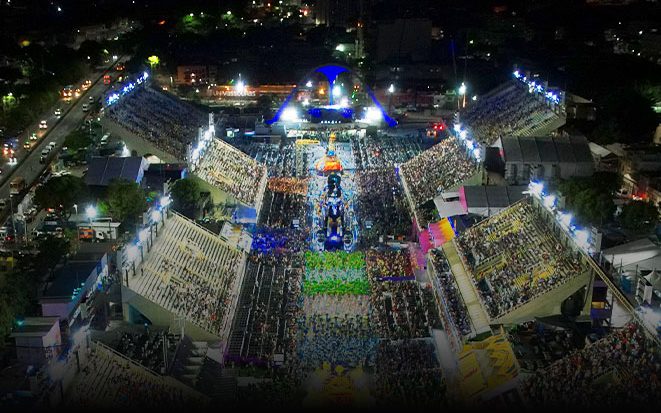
(27, 145)
(76, 93)
(43, 125)
(33, 136)
(51, 145)
(86, 107)
(87, 84)
(42, 159)
(91, 99)
(45, 151)
(58, 112)
(4, 202)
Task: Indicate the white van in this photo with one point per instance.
(104, 139)
(86, 107)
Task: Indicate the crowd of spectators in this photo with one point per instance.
(508, 111)
(382, 206)
(108, 379)
(384, 152)
(392, 265)
(288, 185)
(278, 158)
(267, 308)
(538, 345)
(451, 296)
(402, 309)
(443, 166)
(621, 369)
(143, 347)
(168, 123)
(232, 171)
(514, 257)
(408, 374)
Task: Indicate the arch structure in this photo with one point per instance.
(331, 73)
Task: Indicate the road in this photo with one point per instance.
(30, 168)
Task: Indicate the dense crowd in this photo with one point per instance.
(335, 273)
(267, 308)
(232, 171)
(401, 309)
(450, 294)
(337, 339)
(288, 185)
(170, 124)
(538, 345)
(508, 111)
(384, 152)
(408, 374)
(391, 265)
(381, 206)
(108, 379)
(278, 158)
(145, 348)
(443, 166)
(514, 257)
(192, 273)
(622, 369)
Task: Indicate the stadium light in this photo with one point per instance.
(165, 201)
(290, 115)
(155, 216)
(91, 212)
(457, 128)
(565, 219)
(462, 89)
(337, 91)
(308, 84)
(582, 238)
(477, 153)
(240, 86)
(372, 115)
(549, 201)
(463, 134)
(143, 235)
(536, 188)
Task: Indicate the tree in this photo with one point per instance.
(591, 198)
(626, 116)
(639, 215)
(61, 193)
(186, 196)
(126, 200)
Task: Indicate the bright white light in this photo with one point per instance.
(582, 237)
(565, 219)
(132, 252)
(457, 127)
(373, 115)
(240, 87)
(155, 216)
(344, 102)
(474, 97)
(462, 89)
(91, 212)
(125, 152)
(337, 91)
(536, 188)
(191, 15)
(229, 13)
(340, 48)
(143, 235)
(463, 134)
(476, 153)
(306, 102)
(289, 115)
(470, 144)
(59, 8)
(165, 201)
(308, 84)
(517, 74)
(391, 89)
(549, 201)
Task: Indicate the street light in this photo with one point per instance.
(391, 89)
(91, 213)
(462, 92)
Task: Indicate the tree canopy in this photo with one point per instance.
(186, 196)
(126, 200)
(591, 198)
(61, 193)
(639, 215)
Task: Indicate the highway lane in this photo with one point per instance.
(30, 168)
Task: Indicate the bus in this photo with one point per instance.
(16, 185)
(67, 92)
(107, 79)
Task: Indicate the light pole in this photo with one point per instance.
(462, 92)
(391, 90)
